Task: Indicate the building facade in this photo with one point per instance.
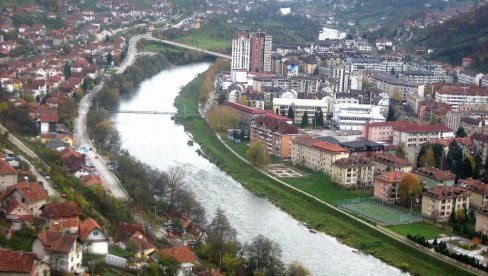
(355, 171)
(414, 135)
(439, 202)
(386, 185)
(355, 116)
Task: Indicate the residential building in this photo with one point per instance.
(386, 185)
(306, 87)
(478, 189)
(482, 220)
(251, 51)
(316, 154)
(431, 177)
(362, 147)
(21, 263)
(355, 116)
(390, 84)
(299, 106)
(484, 81)
(62, 216)
(184, 256)
(260, 82)
(276, 132)
(480, 144)
(414, 135)
(439, 202)
(247, 114)
(468, 77)
(353, 171)
(62, 251)
(431, 109)
(93, 237)
(241, 51)
(8, 175)
(386, 162)
(72, 159)
(381, 131)
(422, 77)
(31, 195)
(47, 122)
(456, 95)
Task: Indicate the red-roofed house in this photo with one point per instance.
(183, 256)
(93, 237)
(387, 162)
(90, 180)
(62, 216)
(72, 159)
(380, 131)
(248, 114)
(315, 154)
(21, 263)
(8, 175)
(60, 250)
(478, 189)
(414, 135)
(438, 202)
(431, 177)
(276, 131)
(31, 195)
(386, 185)
(47, 121)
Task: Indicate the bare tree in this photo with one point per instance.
(176, 177)
(296, 268)
(263, 255)
(221, 236)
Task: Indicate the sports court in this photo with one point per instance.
(379, 212)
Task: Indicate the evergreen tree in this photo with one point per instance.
(67, 71)
(304, 122)
(478, 165)
(454, 158)
(291, 113)
(320, 119)
(392, 116)
(438, 155)
(461, 132)
(400, 150)
(109, 58)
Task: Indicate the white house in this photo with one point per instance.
(31, 195)
(93, 237)
(354, 116)
(60, 250)
(300, 106)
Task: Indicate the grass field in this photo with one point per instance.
(201, 40)
(379, 213)
(305, 209)
(420, 228)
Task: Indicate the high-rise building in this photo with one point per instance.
(251, 51)
(241, 51)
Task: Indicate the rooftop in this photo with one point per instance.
(391, 177)
(474, 185)
(422, 128)
(32, 192)
(353, 161)
(16, 262)
(58, 210)
(244, 108)
(6, 169)
(435, 173)
(182, 254)
(444, 192)
(57, 241)
(86, 227)
(389, 159)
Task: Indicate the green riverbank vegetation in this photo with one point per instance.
(303, 208)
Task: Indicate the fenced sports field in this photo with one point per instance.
(378, 211)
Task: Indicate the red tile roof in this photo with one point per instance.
(466, 141)
(282, 125)
(182, 254)
(474, 185)
(48, 117)
(58, 210)
(244, 108)
(422, 128)
(57, 241)
(444, 192)
(126, 230)
(329, 147)
(32, 192)
(391, 177)
(6, 169)
(435, 173)
(90, 180)
(480, 137)
(86, 227)
(456, 89)
(17, 262)
(389, 159)
(387, 123)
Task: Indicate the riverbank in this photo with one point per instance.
(303, 208)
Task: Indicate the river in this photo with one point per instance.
(158, 141)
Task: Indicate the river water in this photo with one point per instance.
(158, 141)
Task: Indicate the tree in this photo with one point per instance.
(454, 158)
(460, 132)
(291, 113)
(400, 150)
(297, 269)
(169, 264)
(304, 122)
(409, 189)
(176, 177)
(67, 71)
(222, 117)
(397, 96)
(257, 153)
(109, 58)
(263, 256)
(427, 159)
(221, 237)
(392, 113)
(320, 118)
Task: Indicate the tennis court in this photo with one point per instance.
(378, 211)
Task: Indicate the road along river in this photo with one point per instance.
(158, 141)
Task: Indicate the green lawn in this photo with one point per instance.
(201, 39)
(117, 251)
(303, 208)
(422, 229)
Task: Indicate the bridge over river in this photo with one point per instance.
(154, 112)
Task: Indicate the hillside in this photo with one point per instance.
(463, 36)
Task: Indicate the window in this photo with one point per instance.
(95, 233)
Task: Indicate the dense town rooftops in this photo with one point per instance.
(444, 192)
(353, 161)
(435, 173)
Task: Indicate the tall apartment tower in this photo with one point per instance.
(241, 51)
(252, 51)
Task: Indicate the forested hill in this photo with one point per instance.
(463, 36)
